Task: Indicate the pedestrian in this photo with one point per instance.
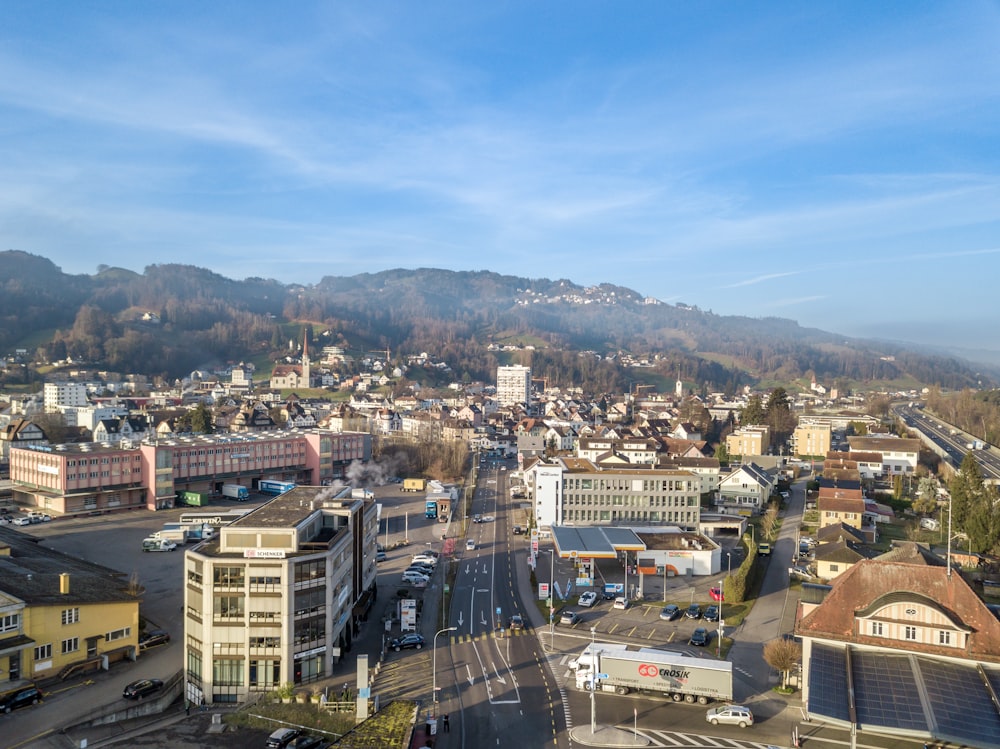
(187, 707)
(444, 723)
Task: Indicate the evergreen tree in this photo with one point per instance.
(973, 506)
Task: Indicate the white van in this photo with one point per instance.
(930, 524)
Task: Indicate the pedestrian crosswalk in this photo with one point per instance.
(679, 739)
(493, 635)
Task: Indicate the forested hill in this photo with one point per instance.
(205, 319)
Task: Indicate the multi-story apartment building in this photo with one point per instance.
(575, 491)
(91, 477)
(749, 440)
(811, 440)
(59, 394)
(278, 595)
(899, 455)
(513, 385)
(58, 612)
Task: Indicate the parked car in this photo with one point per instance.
(699, 637)
(516, 622)
(800, 573)
(670, 612)
(569, 617)
(764, 550)
(621, 602)
(715, 594)
(412, 640)
(711, 614)
(282, 738)
(22, 520)
(305, 742)
(733, 715)
(423, 569)
(588, 599)
(153, 638)
(424, 559)
(415, 578)
(140, 688)
(20, 698)
(693, 611)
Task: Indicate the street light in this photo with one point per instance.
(552, 601)
(594, 664)
(729, 559)
(434, 688)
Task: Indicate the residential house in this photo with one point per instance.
(20, 433)
(899, 455)
(746, 490)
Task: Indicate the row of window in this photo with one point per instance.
(648, 485)
(101, 474)
(911, 633)
(10, 623)
(673, 516)
(104, 461)
(629, 500)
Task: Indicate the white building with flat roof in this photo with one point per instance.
(513, 385)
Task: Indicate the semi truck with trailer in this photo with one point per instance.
(615, 668)
(236, 491)
(977, 445)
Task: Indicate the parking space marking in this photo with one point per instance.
(613, 628)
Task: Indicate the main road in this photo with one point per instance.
(505, 693)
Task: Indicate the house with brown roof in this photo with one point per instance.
(903, 646)
(848, 510)
(899, 455)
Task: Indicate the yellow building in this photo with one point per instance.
(57, 612)
(811, 440)
(749, 440)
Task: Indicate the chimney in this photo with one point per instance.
(64, 583)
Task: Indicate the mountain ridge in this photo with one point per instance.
(455, 314)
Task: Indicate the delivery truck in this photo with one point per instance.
(362, 494)
(615, 668)
(272, 486)
(236, 491)
(178, 535)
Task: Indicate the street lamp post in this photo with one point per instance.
(593, 680)
(729, 560)
(722, 598)
(434, 688)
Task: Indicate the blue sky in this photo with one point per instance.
(833, 163)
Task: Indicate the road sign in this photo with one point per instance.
(498, 611)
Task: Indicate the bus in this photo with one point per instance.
(269, 486)
(217, 519)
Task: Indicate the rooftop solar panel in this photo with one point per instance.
(885, 691)
(828, 683)
(956, 693)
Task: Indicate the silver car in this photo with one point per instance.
(732, 715)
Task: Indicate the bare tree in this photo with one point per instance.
(769, 521)
(783, 655)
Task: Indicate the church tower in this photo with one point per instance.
(678, 389)
(306, 364)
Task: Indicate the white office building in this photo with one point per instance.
(64, 394)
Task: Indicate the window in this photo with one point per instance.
(118, 634)
(228, 607)
(228, 577)
(877, 629)
(43, 652)
(944, 638)
(909, 633)
(10, 623)
(70, 616)
(71, 645)
(194, 663)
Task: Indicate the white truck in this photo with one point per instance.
(615, 668)
(178, 536)
(236, 491)
(157, 544)
(362, 494)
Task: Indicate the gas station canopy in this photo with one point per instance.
(596, 542)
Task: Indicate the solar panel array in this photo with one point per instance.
(828, 682)
(885, 691)
(957, 694)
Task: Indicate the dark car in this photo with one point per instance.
(153, 638)
(305, 742)
(20, 698)
(282, 738)
(516, 622)
(412, 640)
(711, 614)
(693, 611)
(670, 612)
(141, 688)
(699, 637)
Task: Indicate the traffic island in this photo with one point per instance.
(607, 736)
